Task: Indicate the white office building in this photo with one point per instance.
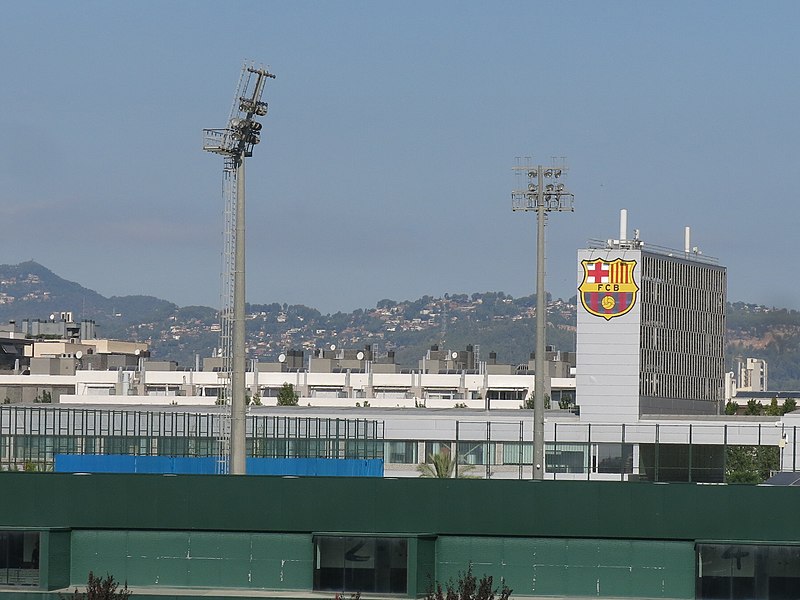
(650, 331)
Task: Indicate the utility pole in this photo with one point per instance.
(543, 193)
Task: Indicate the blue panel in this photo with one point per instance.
(316, 467)
(94, 463)
(309, 467)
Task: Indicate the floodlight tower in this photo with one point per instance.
(545, 192)
(235, 143)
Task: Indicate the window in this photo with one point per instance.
(360, 564)
(268, 448)
(173, 446)
(363, 449)
(516, 395)
(434, 448)
(566, 458)
(747, 571)
(518, 453)
(471, 453)
(122, 444)
(401, 452)
(19, 558)
(614, 458)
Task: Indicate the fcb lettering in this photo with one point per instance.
(608, 289)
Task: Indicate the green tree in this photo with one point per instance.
(768, 461)
(98, 588)
(287, 396)
(469, 587)
(731, 408)
(44, 398)
(773, 409)
(754, 407)
(740, 465)
(751, 464)
(529, 401)
(789, 405)
(528, 404)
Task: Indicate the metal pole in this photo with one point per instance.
(690, 452)
(488, 449)
(724, 451)
(542, 199)
(541, 321)
(555, 446)
(456, 452)
(237, 458)
(589, 462)
(657, 451)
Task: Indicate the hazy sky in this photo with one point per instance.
(384, 169)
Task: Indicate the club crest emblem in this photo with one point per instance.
(608, 289)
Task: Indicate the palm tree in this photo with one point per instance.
(442, 466)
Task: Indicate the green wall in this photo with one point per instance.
(195, 558)
(573, 567)
(608, 539)
(589, 509)
(54, 559)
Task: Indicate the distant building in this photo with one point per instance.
(651, 327)
(751, 375)
(60, 326)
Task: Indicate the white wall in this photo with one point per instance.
(607, 371)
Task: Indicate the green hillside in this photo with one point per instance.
(494, 321)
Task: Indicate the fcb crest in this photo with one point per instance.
(608, 289)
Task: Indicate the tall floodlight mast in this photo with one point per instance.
(235, 143)
(542, 191)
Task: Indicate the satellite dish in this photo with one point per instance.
(52, 317)
(333, 346)
(454, 355)
(137, 352)
(79, 355)
(360, 355)
(281, 357)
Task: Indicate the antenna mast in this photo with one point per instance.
(235, 143)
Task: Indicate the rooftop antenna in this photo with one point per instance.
(235, 143)
(541, 190)
(443, 333)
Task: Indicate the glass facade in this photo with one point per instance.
(361, 564)
(517, 453)
(614, 458)
(401, 453)
(745, 571)
(682, 462)
(30, 437)
(19, 558)
(434, 448)
(563, 457)
(682, 330)
(472, 453)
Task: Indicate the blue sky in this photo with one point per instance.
(385, 164)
